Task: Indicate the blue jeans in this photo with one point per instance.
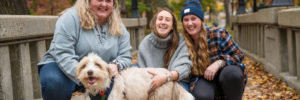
(185, 85)
(56, 85)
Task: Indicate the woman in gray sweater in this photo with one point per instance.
(165, 47)
(89, 26)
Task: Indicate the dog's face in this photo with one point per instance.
(93, 73)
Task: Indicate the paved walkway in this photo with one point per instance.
(261, 85)
(264, 86)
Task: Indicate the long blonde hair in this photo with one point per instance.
(173, 42)
(89, 20)
(200, 55)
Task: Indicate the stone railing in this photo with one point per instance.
(24, 40)
(272, 36)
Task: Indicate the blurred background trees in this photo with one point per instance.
(14, 7)
(48, 7)
(214, 9)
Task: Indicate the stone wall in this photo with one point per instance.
(24, 40)
(272, 37)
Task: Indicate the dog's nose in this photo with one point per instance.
(90, 72)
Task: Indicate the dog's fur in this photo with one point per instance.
(131, 84)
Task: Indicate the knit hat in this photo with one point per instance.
(192, 7)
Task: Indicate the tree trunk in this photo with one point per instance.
(149, 13)
(159, 3)
(123, 9)
(73, 1)
(14, 7)
(227, 7)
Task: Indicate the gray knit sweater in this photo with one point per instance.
(71, 43)
(151, 52)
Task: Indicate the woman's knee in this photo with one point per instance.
(204, 90)
(204, 95)
(54, 80)
(231, 73)
(50, 74)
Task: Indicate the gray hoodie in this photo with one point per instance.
(151, 52)
(71, 43)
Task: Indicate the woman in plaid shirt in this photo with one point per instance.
(217, 68)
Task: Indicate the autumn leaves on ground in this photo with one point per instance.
(262, 85)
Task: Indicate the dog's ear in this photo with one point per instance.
(81, 65)
(104, 65)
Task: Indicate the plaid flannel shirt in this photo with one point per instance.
(222, 47)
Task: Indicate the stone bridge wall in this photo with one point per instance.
(23, 42)
(272, 36)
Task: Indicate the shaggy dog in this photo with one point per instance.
(131, 84)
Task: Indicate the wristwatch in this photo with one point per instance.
(117, 63)
(168, 77)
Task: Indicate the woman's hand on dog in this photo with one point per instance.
(157, 80)
(113, 69)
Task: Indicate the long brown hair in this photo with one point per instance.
(200, 53)
(174, 39)
(88, 19)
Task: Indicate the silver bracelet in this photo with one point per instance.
(117, 63)
(220, 63)
(168, 77)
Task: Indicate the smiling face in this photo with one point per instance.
(101, 8)
(192, 25)
(164, 23)
(93, 73)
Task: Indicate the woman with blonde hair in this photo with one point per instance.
(164, 47)
(88, 26)
(217, 59)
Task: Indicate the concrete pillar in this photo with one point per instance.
(291, 52)
(262, 36)
(254, 41)
(48, 43)
(26, 72)
(241, 35)
(133, 32)
(297, 38)
(236, 33)
(247, 35)
(275, 46)
(244, 34)
(258, 40)
(253, 38)
(258, 27)
(21, 67)
(140, 35)
(6, 88)
(250, 37)
(37, 50)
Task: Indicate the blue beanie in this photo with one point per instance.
(192, 7)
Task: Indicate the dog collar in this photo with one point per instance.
(102, 93)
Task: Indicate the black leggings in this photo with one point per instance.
(229, 82)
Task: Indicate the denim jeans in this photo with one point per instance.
(56, 85)
(185, 85)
